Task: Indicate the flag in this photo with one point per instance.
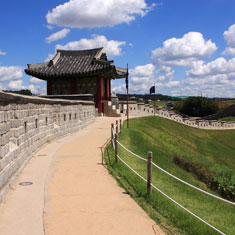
(152, 90)
(127, 78)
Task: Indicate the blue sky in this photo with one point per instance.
(185, 47)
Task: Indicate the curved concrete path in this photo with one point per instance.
(72, 192)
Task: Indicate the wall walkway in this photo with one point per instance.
(72, 192)
(27, 122)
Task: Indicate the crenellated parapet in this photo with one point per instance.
(141, 109)
(28, 122)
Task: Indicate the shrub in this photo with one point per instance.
(199, 106)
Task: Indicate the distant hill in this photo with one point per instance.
(146, 97)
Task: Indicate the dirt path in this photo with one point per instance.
(72, 192)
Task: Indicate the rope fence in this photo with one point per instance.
(115, 144)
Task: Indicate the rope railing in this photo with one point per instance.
(132, 152)
(171, 199)
(132, 169)
(115, 143)
(175, 177)
(191, 213)
(192, 186)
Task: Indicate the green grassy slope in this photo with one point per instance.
(214, 150)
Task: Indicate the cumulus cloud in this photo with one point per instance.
(97, 13)
(111, 47)
(143, 71)
(216, 67)
(182, 51)
(18, 85)
(213, 79)
(2, 52)
(35, 80)
(141, 78)
(229, 51)
(229, 37)
(58, 35)
(10, 73)
(166, 73)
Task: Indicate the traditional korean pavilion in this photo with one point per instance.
(79, 72)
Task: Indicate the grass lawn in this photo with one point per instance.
(228, 119)
(160, 104)
(214, 150)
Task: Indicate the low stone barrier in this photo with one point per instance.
(28, 122)
(141, 109)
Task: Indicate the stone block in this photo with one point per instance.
(4, 150)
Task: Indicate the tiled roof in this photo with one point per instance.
(76, 64)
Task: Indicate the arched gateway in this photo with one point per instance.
(79, 72)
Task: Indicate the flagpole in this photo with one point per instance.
(127, 97)
(154, 100)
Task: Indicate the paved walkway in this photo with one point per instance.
(72, 192)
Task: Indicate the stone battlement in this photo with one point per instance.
(141, 109)
(28, 122)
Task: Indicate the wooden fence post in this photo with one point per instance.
(112, 131)
(117, 126)
(116, 147)
(120, 125)
(149, 173)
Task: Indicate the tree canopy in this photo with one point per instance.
(198, 106)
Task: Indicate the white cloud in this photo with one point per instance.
(229, 51)
(229, 36)
(166, 73)
(35, 80)
(172, 84)
(2, 52)
(112, 47)
(211, 86)
(141, 78)
(216, 67)
(97, 13)
(58, 35)
(143, 71)
(10, 73)
(16, 85)
(34, 89)
(182, 51)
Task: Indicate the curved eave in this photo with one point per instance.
(120, 72)
(46, 76)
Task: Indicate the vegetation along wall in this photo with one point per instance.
(28, 122)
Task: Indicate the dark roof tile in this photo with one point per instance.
(74, 63)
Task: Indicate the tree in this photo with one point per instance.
(199, 106)
(21, 92)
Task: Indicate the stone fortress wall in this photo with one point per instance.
(141, 109)
(228, 111)
(29, 122)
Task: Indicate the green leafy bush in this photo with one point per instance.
(225, 186)
(199, 106)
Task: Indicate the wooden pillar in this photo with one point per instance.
(149, 173)
(49, 87)
(100, 93)
(108, 86)
(73, 86)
